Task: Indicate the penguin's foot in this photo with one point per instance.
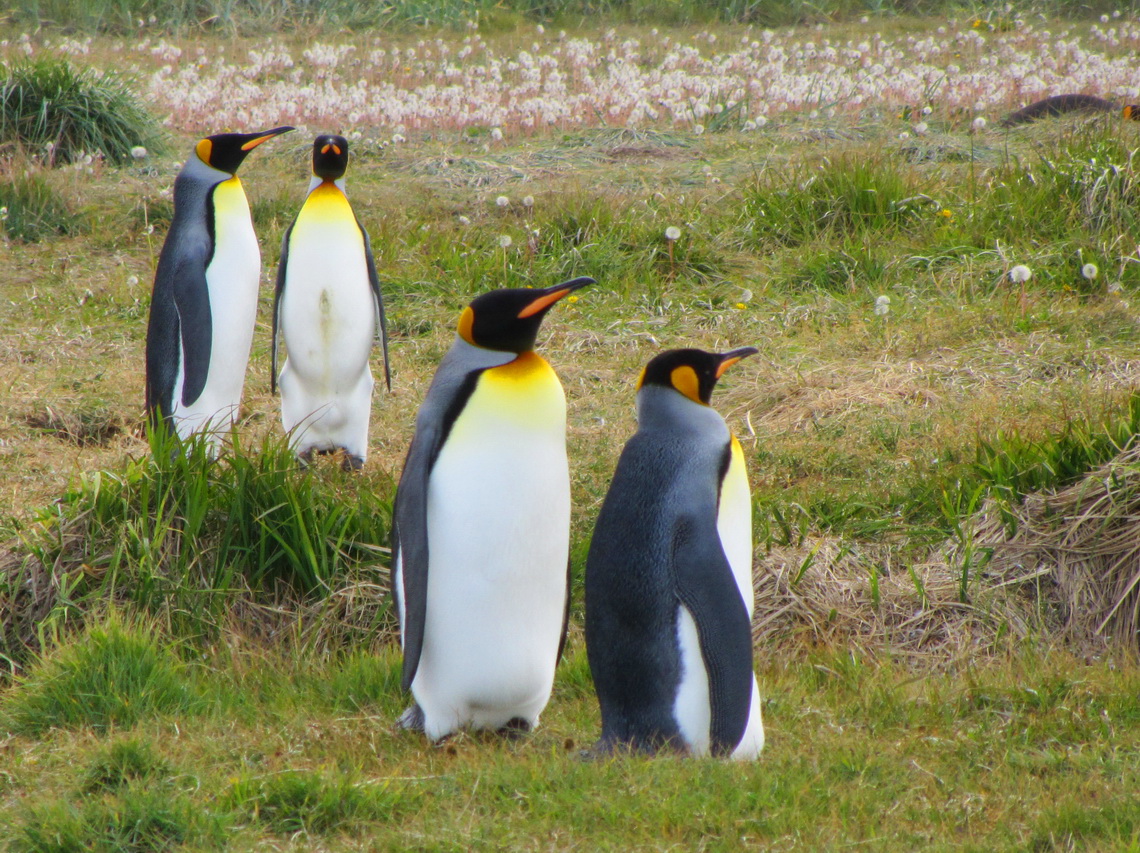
(515, 728)
(351, 462)
(305, 458)
(412, 719)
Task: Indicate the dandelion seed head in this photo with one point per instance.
(505, 241)
(502, 201)
(464, 220)
(528, 201)
(1089, 271)
(672, 233)
(1020, 274)
(497, 134)
(979, 124)
(138, 152)
(882, 305)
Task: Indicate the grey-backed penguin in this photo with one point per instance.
(327, 308)
(204, 301)
(669, 574)
(481, 525)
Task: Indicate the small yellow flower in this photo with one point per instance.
(946, 213)
(571, 299)
(977, 22)
(740, 306)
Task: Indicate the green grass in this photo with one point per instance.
(255, 591)
(187, 538)
(111, 677)
(313, 803)
(123, 762)
(32, 210)
(124, 16)
(58, 113)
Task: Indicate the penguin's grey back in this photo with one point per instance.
(189, 243)
(669, 471)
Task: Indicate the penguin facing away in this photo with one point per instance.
(481, 525)
(327, 308)
(205, 293)
(669, 574)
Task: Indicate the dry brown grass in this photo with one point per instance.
(822, 592)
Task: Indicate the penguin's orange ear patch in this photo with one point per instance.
(641, 379)
(325, 150)
(685, 380)
(466, 324)
(204, 149)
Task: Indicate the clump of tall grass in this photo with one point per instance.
(113, 674)
(1086, 188)
(836, 199)
(187, 537)
(31, 210)
(121, 763)
(58, 112)
(1012, 466)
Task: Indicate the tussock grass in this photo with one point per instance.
(33, 210)
(123, 762)
(139, 820)
(835, 200)
(300, 801)
(190, 538)
(57, 112)
(113, 675)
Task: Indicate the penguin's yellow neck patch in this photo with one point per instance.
(685, 380)
(326, 203)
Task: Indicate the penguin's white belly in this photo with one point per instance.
(327, 317)
(691, 707)
(232, 279)
(498, 541)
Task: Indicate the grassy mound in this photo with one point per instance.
(62, 113)
(201, 542)
(31, 210)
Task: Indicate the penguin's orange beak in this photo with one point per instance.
(731, 357)
(269, 134)
(551, 295)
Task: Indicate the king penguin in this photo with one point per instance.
(481, 525)
(204, 301)
(669, 574)
(327, 308)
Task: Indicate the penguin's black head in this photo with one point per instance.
(330, 156)
(692, 372)
(225, 151)
(508, 320)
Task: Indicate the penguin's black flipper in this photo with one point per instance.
(443, 403)
(278, 290)
(705, 585)
(381, 317)
(192, 299)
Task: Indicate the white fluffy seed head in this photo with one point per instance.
(672, 233)
(1089, 271)
(1020, 274)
